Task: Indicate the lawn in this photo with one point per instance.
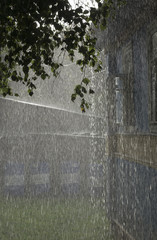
(47, 219)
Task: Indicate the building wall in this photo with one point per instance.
(132, 150)
(47, 145)
(46, 149)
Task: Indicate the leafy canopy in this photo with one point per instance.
(31, 31)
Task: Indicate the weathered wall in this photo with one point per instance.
(128, 20)
(131, 152)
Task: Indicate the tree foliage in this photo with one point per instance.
(31, 30)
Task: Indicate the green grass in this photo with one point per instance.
(47, 219)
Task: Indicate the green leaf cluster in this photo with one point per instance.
(80, 91)
(31, 31)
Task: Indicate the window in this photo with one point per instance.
(124, 90)
(119, 100)
(153, 78)
(127, 70)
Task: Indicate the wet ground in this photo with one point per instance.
(49, 219)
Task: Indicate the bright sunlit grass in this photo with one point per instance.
(47, 219)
